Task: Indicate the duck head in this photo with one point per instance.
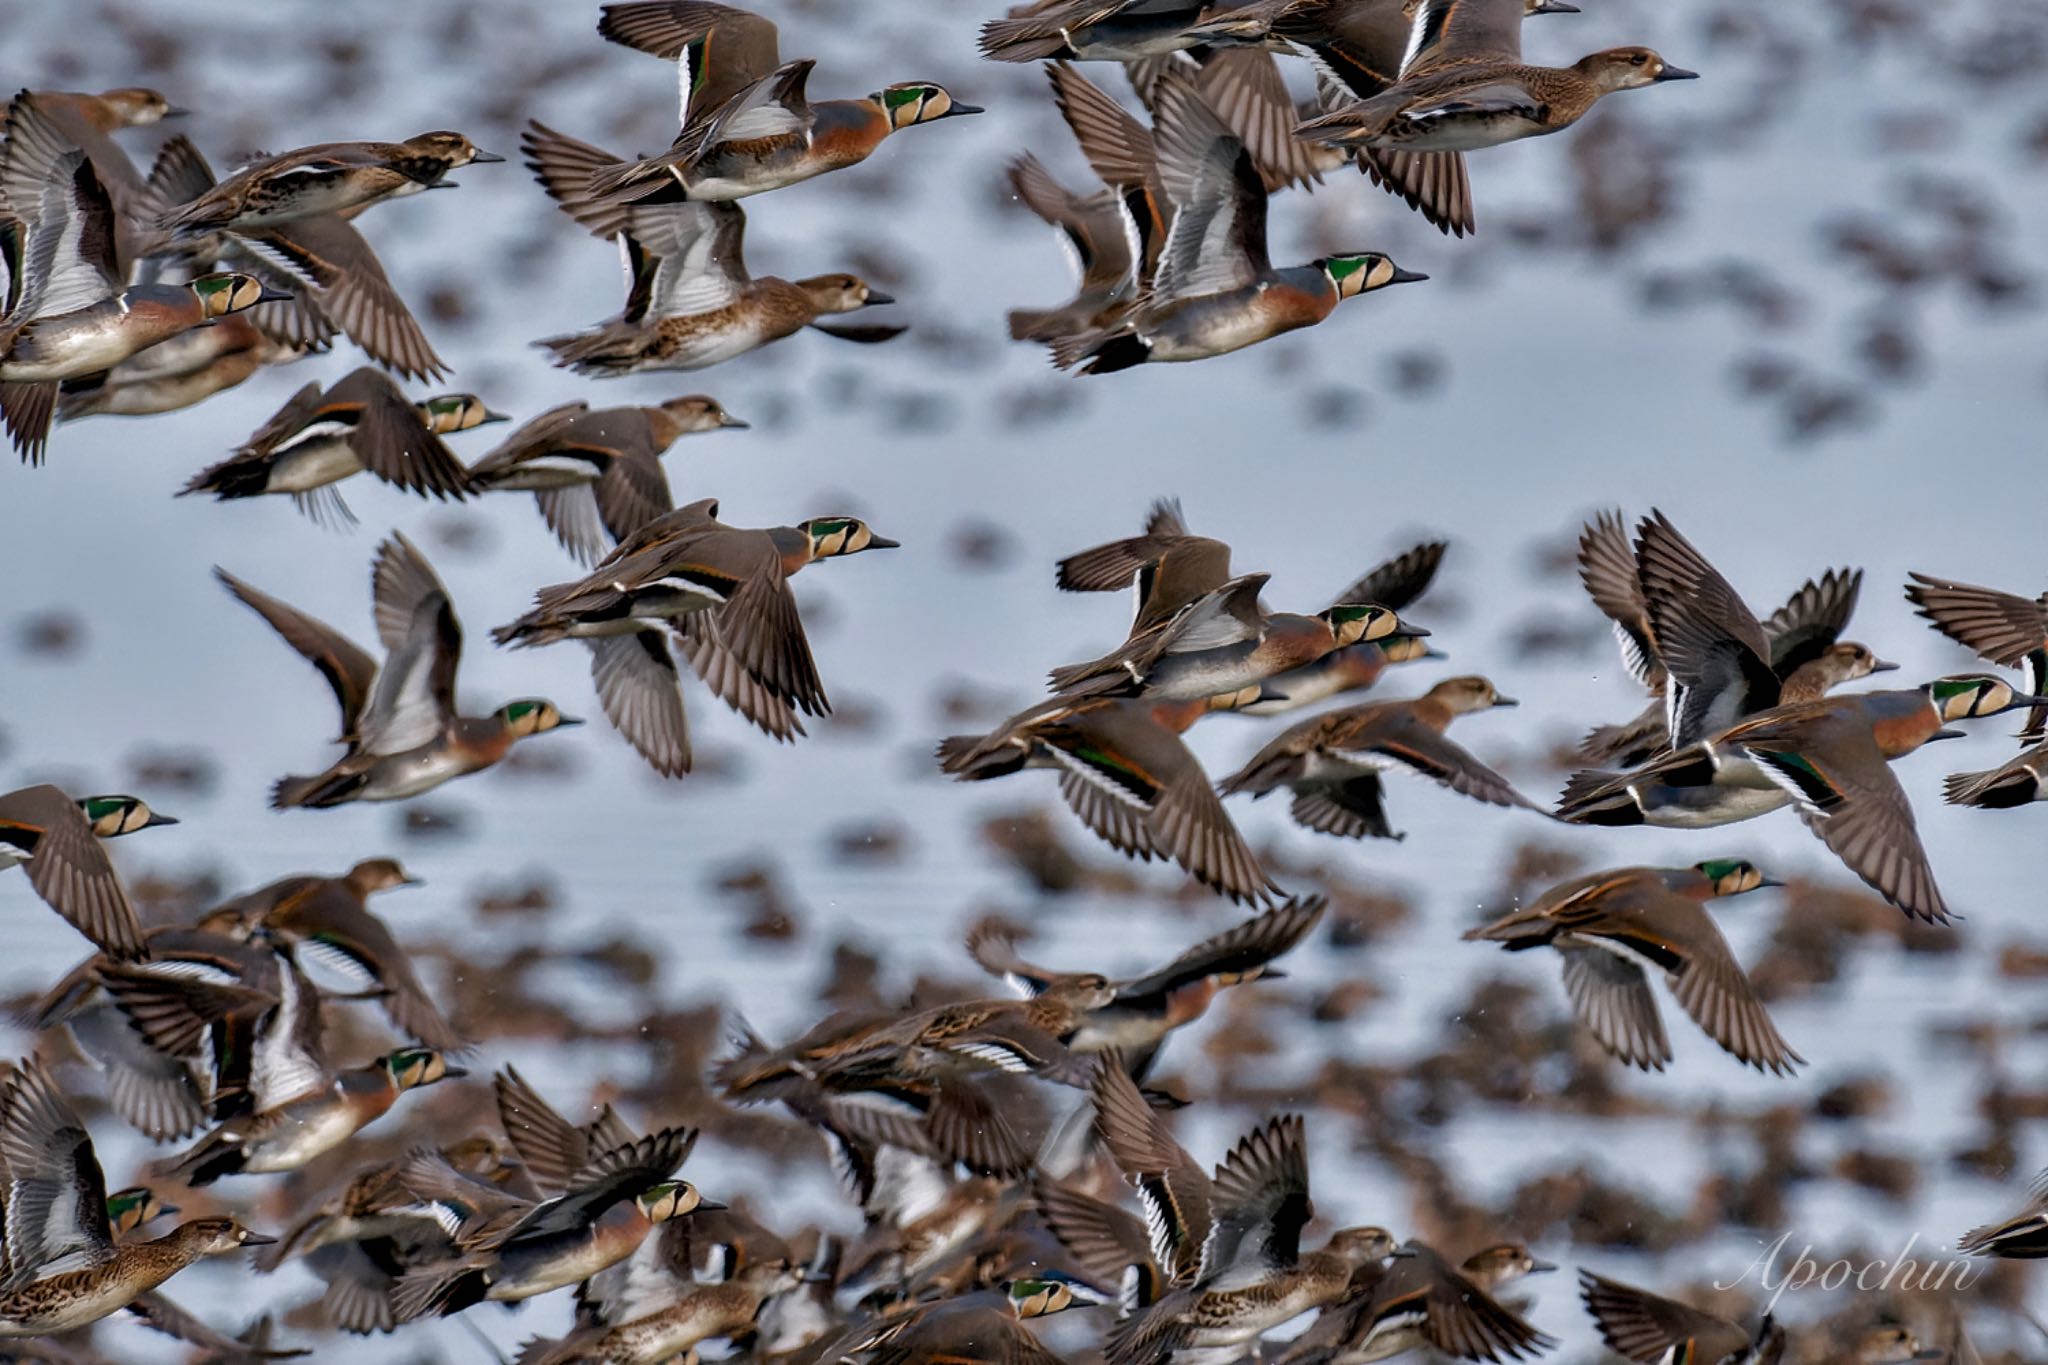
(131, 1208)
(696, 412)
(220, 295)
(453, 148)
(1506, 1261)
(1355, 622)
(909, 102)
(671, 1199)
(138, 106)
(456, 412)
(1361, 1246)
(1364, 271)
(842, 293)
(1732, 876)
(1967, 696)
(1049, 1292)
(533, 716)
(831, 536)
(372, 875)
(412, 1067)
(1629, 68)
(113, 816)
(218, 1236)
(1468, 694)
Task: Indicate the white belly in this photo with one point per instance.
(295, 1144)
(1729, 807)
(543, 473)
(312, 463)
(407, 775)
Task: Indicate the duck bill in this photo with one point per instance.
(734, 424)
(1947, 734)
(1544, 1267)
(453, 1073)
(156, 819)
(1554, 7)
(1506, 701)
(177, 111)
(567, 721)
(270, 295)
(1407, 632)
(876, 542)
(962, 111)
(257, 1239)
(1407, 276)
(876, 299)
(1884, 666)
(490, 417)
(1674, 73)
(484, 158)
(712, 1204)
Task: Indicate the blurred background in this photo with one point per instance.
(1795, 304)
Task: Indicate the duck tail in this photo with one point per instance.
(212, 1157)
(527, 632)
(1259, 778)
(1987, 790)
(1593, 796)
(26, 408)
(1121, 351)
(624, 182)
(1020, 40)
(969, 758)
(240, 476)
(437, 1290)
(327, 789)
(1034, 324)
(605, 350)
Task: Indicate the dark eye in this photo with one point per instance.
(1636, 60)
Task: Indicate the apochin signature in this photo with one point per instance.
(1872, 1275)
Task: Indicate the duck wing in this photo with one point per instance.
(348, 669)
(1812, 619)
(1173, 1189)
(1237, 952)
(69, 868)
(641, 693)
(1259, 1200)
(1849, 797)
(1607, 568)
(55, 1218)
(333, 266)
(1400, 580)
(414, 696)
(70, 259)
(1611, 996)
(1714, 652)
(564, 166)
(1217, 242)
(720, 50)
(1644, 1326)
(2000, 626)
(1448, 32)
(391, 439)
(700, 263)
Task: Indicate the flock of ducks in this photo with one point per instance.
(128, 293)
